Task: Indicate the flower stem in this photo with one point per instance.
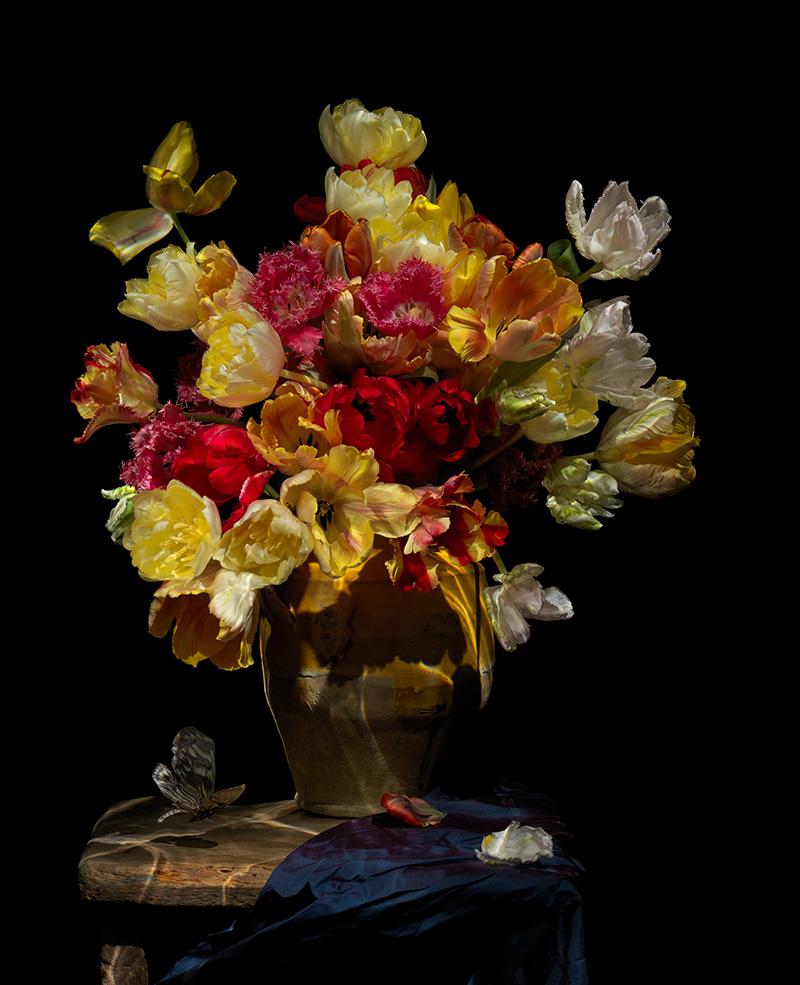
(287, 374)
(478, 463)
(179, 228)
(587, 456)
(588, 273)
(212, 419)
(499, 562)
(271, 491)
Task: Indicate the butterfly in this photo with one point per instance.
(190, 782)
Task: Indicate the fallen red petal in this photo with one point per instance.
(412, 810)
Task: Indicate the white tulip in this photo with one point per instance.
(606, 357)
(520, 597)
(518, 844)
(619, 234)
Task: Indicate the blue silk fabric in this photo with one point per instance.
(374, 900)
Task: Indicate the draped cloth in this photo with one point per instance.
(373, 900)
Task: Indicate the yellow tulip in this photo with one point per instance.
(352, 134)
(223, 283)
(331, 500)
(571, 413)
(269, 542)
(281, 436)
(368, 194)
(243, 360)
(215, 616)
(166, 298)
(173, 533)
(649, 449)
(171, 169)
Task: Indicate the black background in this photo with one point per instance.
(613, 713)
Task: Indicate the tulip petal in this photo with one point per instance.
(128, 233)
(555, 605)
(108, 415)
(177, 152)
(469, 344)
(211, 194)
(655, 219)
(576, 213)
(390, 507)
(167, 190)
(607, 205)
(524, 340)
(412, 810)
(523, 291)
(516, 845)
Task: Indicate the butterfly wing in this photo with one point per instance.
(171, 788)
(190, 782)
(193, 765)
(224, 797)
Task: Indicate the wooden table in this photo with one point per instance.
(133, 865)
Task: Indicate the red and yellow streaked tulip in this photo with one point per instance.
(113, 390)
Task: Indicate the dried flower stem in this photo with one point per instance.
(519, 433)
(211, 419)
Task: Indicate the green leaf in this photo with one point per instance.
(560, 253)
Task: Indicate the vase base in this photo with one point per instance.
(337, 810)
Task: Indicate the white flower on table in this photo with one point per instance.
(518, 844)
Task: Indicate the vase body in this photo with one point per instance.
(365, 680)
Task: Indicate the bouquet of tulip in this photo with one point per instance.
(372, 379)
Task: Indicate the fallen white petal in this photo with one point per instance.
(516, 845)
